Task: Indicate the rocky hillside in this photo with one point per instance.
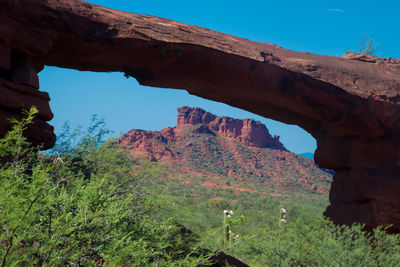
(223, 152)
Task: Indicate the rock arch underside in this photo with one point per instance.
(350, 106)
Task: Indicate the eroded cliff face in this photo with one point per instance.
(350, 105)
(248, 132)
(19, 90)
(232, 151)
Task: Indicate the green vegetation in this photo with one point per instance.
(91, 204)
(83, 208)
(231, 164)
(348, 51)
(306, 239)
(367, 46)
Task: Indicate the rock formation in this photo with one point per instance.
(230, 150)
(19, 84)
(248, 132)
(350, 106)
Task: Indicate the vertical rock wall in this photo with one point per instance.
(366, 184)
(19, 90)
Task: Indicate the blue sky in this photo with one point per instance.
(320, 27)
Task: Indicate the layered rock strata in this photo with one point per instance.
(248, 132)
(350, 106)
(231, 151)
(19, 84)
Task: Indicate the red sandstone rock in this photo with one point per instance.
(248, 132)
(361, 57)
(18, 91)
(39, 133)
(373, 59)
(145, 143)
(19, 97)
(350, 106)
(168, 133)
(25, 75)
(5, 57)
(239, 151)
(13, 99)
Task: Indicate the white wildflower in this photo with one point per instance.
(283, 210)
(235, 237)
(228, 213)
(283, 221)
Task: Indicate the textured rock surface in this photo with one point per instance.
(248, 132)
(350, 106)
(19, 85)
(226, 148)
(373, 59)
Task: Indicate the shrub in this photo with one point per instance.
(367, 45)
(84, 207)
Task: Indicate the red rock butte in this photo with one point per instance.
(248, 132)
(226, 153)
(350, 105)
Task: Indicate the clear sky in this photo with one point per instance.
(322, 27)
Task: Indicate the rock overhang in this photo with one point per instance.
(351, 107)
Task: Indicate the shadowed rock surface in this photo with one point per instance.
(351, 106)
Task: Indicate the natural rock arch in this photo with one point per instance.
(350, 107)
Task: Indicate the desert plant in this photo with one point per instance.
(348, 51)
(367, 45)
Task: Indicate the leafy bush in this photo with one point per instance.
(92, 205)
(306, 239)
(84, 207)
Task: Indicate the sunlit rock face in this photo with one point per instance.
(248, 132)
(227, 150)
(350, 105)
